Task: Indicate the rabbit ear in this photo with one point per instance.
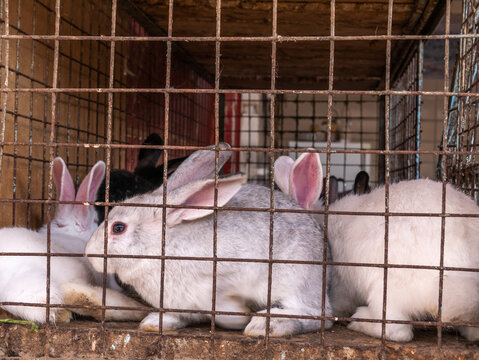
(333, 189)
(63, 183)
(149, 157)
(198, 166)
(89, 187)
(201, 193)
(282, 170)
(361, 183)
(90, 184)
(306, 180)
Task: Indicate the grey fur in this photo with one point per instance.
(296, 288)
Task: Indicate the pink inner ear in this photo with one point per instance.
(204, 197)
(89, 186)
(63, 181)
(88, 190)
(96, 180)
(306, 180)
(202, 194)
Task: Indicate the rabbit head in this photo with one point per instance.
(198, 166)
(146, 178)
(135, 229)
(75, 220)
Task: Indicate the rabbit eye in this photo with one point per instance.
(118, 228)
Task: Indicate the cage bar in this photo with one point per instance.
(92, 80)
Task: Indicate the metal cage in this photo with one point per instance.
(90, 80)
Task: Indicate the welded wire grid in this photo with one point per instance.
(462, 128)
(81, 117)
(302, 123)
(106, 100)
(405, 128)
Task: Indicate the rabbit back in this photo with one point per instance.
(412, 240)
(244, 235)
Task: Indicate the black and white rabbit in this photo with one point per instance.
(147, 159)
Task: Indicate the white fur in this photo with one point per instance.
(413, 240)
(72, 281)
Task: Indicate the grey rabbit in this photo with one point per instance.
(296, 289)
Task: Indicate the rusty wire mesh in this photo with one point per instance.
(406, 119)
(84, 108)
(462, 127)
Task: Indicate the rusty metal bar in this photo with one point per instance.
(15, 117)
(251, 260)
(111, 82)
(273, 315)
(241, 91)
(30, 126)
(268, 39)
(52, 154)
(215, 200)
(274, 30)
(6, 50)
(332, 30)
(253, 209)
(387, 101)
(249, 149)
(165, 171)
(443, 179)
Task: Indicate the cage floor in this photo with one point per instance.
(87, 340)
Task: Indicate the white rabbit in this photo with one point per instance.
(23, 278)
(296, 289)
(73, 225)
(413, 240)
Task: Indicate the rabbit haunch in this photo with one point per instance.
(72, 280)
(240, 286)
(413, 240)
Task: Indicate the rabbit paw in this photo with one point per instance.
(60, 316)
(394, 332)
(470, 333)
(170, 322)
(277, 326)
